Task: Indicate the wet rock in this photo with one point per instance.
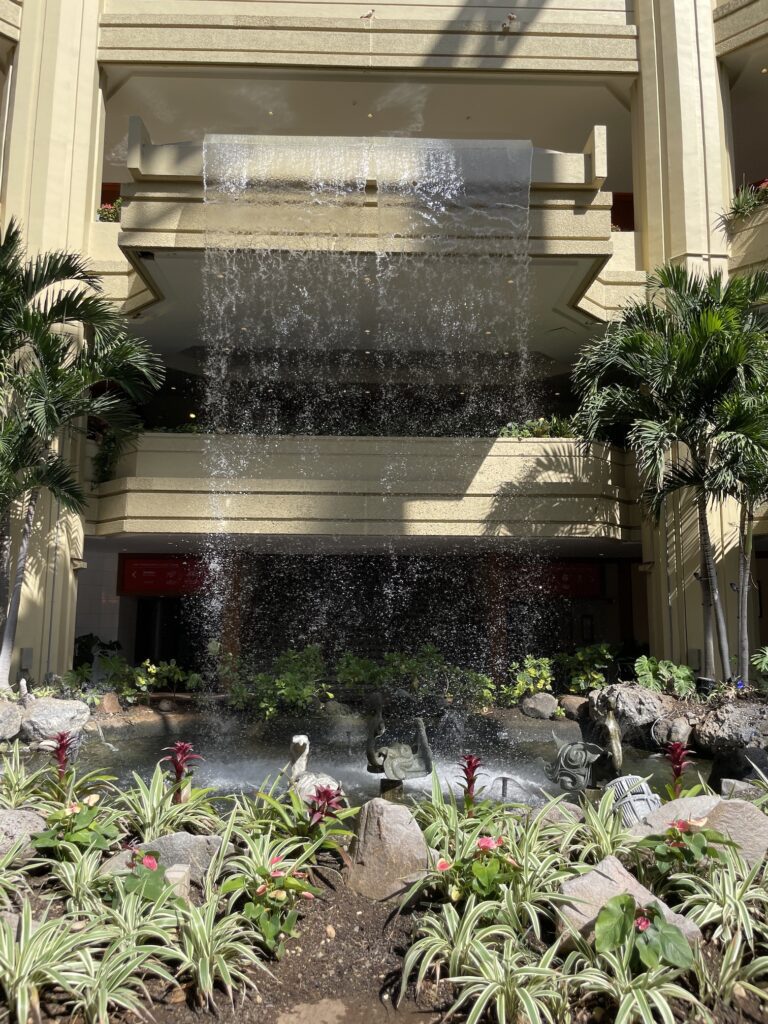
(10, 720)
(573, 705)
(732, 726)
(636, 709)
(387, 851)
(18, 824)
(678, 730)
(109, 704)
(588, 894)
(177, 848)
(539, 705)
(687, 808)
(48, 715)
(561, 812)
(335, 709)
(737, 789)
(165, 705)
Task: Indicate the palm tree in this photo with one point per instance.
(64, 356)
(666, 381)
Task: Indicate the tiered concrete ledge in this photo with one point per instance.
(10, 20)
(749, 243)
(739, 23)
(573, 36)
(369, 486)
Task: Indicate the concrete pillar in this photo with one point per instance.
(51, 171)
(681, 168)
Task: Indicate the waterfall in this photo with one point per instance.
(354, 286)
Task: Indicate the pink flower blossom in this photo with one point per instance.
(681, 824)
(487, 843)
(261, 890)
(307, 895)
(443, 865)
(150, 862)
(275, 860)
(642, 924)
(277, 874)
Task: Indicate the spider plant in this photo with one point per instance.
(731, 897)
(644, 996)
(19, 785)
(114, 981)
(44, 957)
(140, 921)
(716, 982)
(288, 814)
(148, 811)
(601, 834)
(445, 938)
(511, 983)
(211, 951)
(77, 876)
(12, 880)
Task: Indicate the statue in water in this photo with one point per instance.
(580, 764)
(397, 761)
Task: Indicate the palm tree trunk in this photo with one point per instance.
(5, 567)
(12, 622)
(710, 574)
(746, 530)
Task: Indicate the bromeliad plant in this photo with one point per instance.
(181, 757)
(469, 766)
(676, 753)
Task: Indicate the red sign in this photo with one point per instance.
(573, 579)
(159, 575)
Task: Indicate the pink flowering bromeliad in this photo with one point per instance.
(63, 747)
(470, 766)
(676, 754)
(324, 803)
(181, 757)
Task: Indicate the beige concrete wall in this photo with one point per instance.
(359, 486)
(749, 242)
(738, 23)
(10, 19)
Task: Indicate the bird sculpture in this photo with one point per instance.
(369, 15)
(398, 761)
(304, 782)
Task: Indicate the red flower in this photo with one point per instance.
(681, 824)
(487, 843)
(642, 924)
(443, 865)
(181, 755)
(324, 803)
(149, 862)
(306, 895)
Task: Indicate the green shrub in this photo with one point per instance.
(531, 675)
(585, 669)
(665, 676)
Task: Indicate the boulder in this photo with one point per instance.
(10, 720)
(177, 848)
(743, 763)
(335, 709)
(587, 895)
(676, 730)
(686, 808)
(572, 705)
(13, 919)
(745, 824)
(737, 789)
(18, 824)
(109, 704)
(731, 727)
(539, 705)
(561, 812)
(636, 709)
(45, 717)
(387, 851)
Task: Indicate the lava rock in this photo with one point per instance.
(539, 705)
(732, 727)
(18, 824)
(177, 848)
(678, 730)
(387, 851)
(109, 704)
(587, 895)
(636, 709)
(10, 720)
(45, 717)
(744, 763)
(572, 705)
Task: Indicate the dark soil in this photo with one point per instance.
(342, 968)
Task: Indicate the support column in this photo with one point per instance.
(51, 170)
(681, 170)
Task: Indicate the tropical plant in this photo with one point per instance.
(586, 668)
(746, 200)
(12, 880)
(600, 834)
(138, 920)
(76, 875)
(114, 981)
(717, 979)
(665, 676)
(684, 846)
(514, 982)
(544, 426)
(729, 899)
(64, 355)
(18, 785)
(81, 825)
(529, 676)
(44, 956)
(289, 815)
(150, 811)
(212, 951)
(675, 379)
